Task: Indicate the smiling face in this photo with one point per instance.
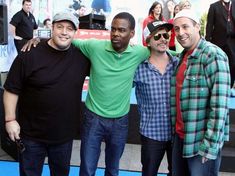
(159, 44)
(187, 5)
(187, 32)
(120, 34)
(62, 35)
(157, 9)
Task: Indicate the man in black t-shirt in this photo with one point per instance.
(46, 85)
(22, 25)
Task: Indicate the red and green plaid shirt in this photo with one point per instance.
(204, 101)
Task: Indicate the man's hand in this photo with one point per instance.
(18, 38)
(13, 130)
(29, 44)
(204, 159)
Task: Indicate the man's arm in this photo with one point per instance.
(218, 81)
(12, 127)
(13, 32)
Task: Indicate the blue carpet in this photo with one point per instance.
(11, 168)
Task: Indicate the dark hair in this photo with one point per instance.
(177, 5)
(25, 1)
(82, 6)
(153, 6)
(45, 21)
(126, 16)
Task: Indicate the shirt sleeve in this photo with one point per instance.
(16, 19)
(84, 46)
(15, 77)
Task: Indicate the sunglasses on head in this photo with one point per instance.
(158, 36)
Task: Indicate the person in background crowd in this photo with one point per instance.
(81, 11)
(155, 13)
(22, 25)
(184, 4)
(47, 23)
(220, 30)
(46, 85)
(172, 38)
(176, 10)
(170, 7)
(200, 90)
(152, 81)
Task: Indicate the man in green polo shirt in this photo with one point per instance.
(113, 64)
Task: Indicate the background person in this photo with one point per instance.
(82, 11)
(155, 13)
(172, 43)
(200, 90)
(46, 84)
(184, 4)
(22, 25)
(47, 23)
(152, 81)
(170, 7)
(220, 30)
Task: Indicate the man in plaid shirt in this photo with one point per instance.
(152, 81)
(200, 90)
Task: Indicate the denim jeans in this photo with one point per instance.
(95, 130)
(152, 153)
(192, 166)
(32, 159)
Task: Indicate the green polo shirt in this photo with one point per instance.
(111, 76)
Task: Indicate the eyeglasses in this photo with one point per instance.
(158, 36)
(20, 145)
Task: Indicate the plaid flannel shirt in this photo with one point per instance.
(153, 99)
(204, 101)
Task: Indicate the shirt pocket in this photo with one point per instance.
(197, 86)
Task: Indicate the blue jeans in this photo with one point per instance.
(192, 166)
(95, 130)
(32, 159)
(152, 153)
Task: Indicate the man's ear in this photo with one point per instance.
(198, 26)
(132, 33)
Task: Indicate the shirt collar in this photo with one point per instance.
(109, 48)
(25, 13)
(173, 59)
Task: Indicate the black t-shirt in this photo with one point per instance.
(49, 84)
(24, 24)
